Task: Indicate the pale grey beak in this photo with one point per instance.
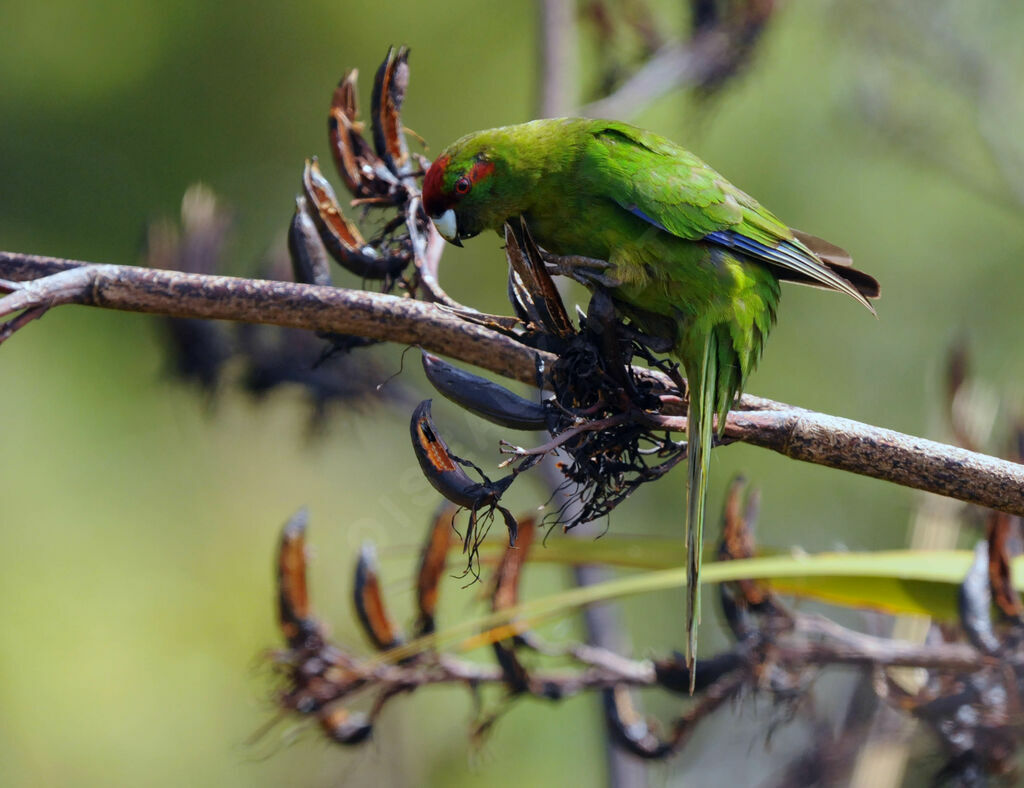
(448, 226)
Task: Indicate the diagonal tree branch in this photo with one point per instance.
(39, 283)
(676, 65)
(556, 72)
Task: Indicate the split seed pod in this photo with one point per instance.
(369, 602)
(364, 174)
(340, 236)
(389, 88)
(506, 595)
(442, 471)
(449, 478)
(432, 563)
(297, 624)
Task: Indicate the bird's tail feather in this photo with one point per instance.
(702, 405)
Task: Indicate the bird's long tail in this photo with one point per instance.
(703, 383)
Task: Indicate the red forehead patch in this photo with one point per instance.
(434, 199)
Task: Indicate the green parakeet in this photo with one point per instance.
(680, 242)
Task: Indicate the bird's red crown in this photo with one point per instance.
(435, 199)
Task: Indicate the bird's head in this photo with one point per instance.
(461, 192)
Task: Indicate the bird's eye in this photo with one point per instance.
(463, 185)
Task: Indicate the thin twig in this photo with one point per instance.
(562, 437)
(800, 434)
(839, 645)
(808, 644)
(556, 75)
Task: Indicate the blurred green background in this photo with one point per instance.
(138, 522)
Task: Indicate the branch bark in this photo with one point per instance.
(40, 283)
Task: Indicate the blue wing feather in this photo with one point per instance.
(790, 256)
(784, 254)
(635, 210)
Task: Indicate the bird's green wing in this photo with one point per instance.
(672, 189)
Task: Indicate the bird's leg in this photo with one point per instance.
(604, 325)
(585, 270)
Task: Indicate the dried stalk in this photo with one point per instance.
(809, 644)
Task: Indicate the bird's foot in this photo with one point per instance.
(590, 279)
(585, 270)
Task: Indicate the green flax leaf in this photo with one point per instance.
(897, 581)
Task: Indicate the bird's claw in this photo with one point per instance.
(566, 264)
(591, 278)
(585, 270)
